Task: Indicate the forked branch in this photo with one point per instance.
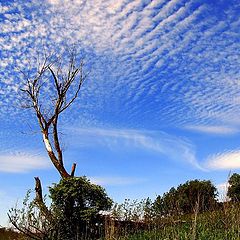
(66, 88)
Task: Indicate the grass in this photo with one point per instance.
(219, 224)
(223, 224)
(8, 234)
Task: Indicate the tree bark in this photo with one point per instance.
(39, 199)
(58, 164)
(73, 169)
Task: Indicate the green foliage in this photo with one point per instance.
(76, 203)
(85, 199)
(170, 202)
(189, 211)
(158, 206)
(234, 187)
(75, 207)
(186, 197)
(202, 193)
(29, 220)
(133, 210)
(148, 210)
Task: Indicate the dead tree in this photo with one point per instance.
(66, 81)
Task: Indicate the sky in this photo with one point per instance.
(161, 104)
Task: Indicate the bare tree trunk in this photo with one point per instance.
(39, 199)
(58, 164)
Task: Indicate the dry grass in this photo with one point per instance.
(219, 224)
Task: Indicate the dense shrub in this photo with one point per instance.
(76, 206)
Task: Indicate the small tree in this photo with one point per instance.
(170, 203)
(50, 88)
(158, 207)
(185, 198)
(234, 187)
(30, 221)
(148, 211)
(196, 192)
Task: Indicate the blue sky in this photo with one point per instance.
(161, 105)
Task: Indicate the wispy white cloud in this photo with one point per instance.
(20, 162)
(114, 181)
(224, 161)
(213, 129)
(172, 147)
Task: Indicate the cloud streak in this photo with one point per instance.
(224, 161)
(115, 181)
(221, 130)
(22, 162)
(174, 148)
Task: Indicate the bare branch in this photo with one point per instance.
(82, 79)
(38, 190)
(58, 87)
(67, 87)
(73, 169)
(23, 230)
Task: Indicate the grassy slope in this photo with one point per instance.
(221, 224)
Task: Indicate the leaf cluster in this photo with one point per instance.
(186, 197)
(234, 187)
(79, 198)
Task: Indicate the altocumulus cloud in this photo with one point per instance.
(173, 60)
(20, 162)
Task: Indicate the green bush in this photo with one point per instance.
(73, 213)
(76, 203)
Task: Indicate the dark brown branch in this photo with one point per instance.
(39, 199)
(58, 87)
(82, 79)
(38, 190)
(56, 143)
(73, 169)
(37, 229)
